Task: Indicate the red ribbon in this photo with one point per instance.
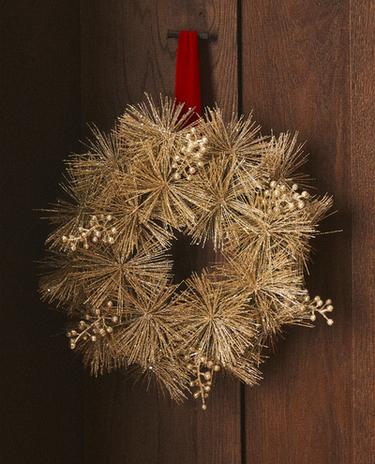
(187, 87)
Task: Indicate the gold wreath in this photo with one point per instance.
(215, 181)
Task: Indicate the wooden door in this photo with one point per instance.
(305, 65)
(301, 65)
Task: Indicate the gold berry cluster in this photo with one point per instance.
(317, 305)
(190, 159)
(202, 372)
(281, 197)
(98, 229)
(96, 324)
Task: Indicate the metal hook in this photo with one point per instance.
(174, 35)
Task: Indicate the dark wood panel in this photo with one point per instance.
(363, 231)
(124, 53)
(296, 76)
(40, 117)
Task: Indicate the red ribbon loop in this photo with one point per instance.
(187, 86)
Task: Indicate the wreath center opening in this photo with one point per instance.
(189, 258)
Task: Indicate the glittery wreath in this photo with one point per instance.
(217, 182)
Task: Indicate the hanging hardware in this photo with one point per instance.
(174, 35)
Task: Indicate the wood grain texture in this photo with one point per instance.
(363, 227)
(296, 76)
(306, 65)
(40, 406)
(125, 52)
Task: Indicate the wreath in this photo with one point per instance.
(158, 174)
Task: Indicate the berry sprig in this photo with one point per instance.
(189, 161)
(97, 230)
(98, 324)
(317, 305)
(202, 371)
(283, 198)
